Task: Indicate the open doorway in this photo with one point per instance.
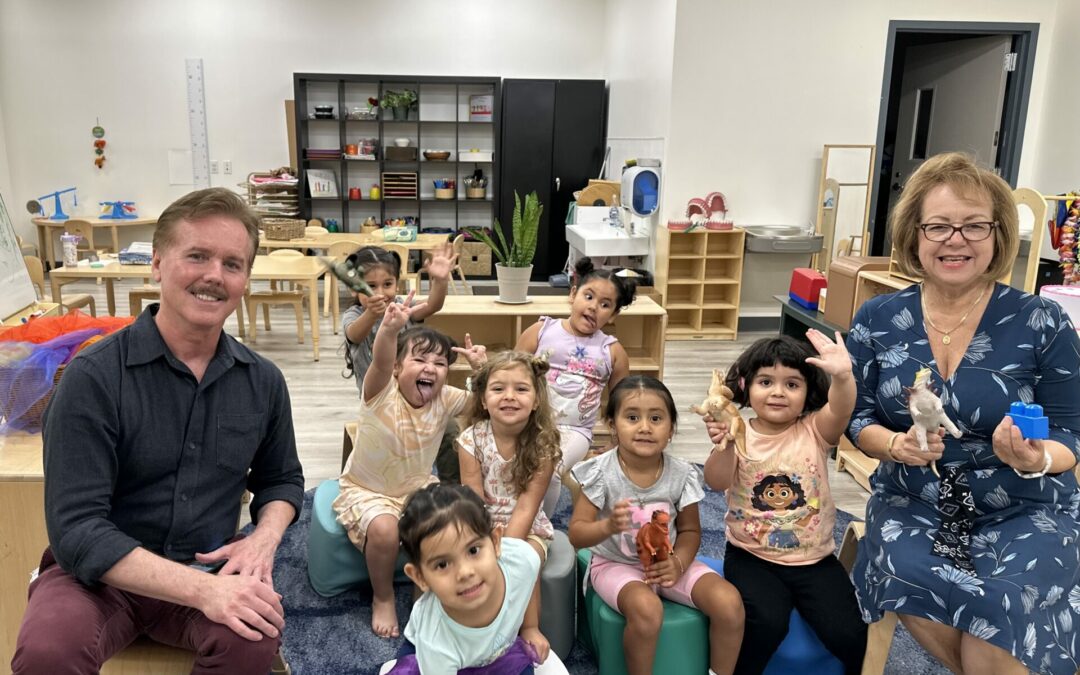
(949, 86)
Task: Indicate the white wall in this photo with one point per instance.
(640, 45)
(1058, 160)
(14, 208)
(63, 65)
(758, 88)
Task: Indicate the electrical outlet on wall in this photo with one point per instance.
(227, 166)
(213, 166)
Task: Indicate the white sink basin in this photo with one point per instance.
(600, 239)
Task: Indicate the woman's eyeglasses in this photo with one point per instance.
(969, 231)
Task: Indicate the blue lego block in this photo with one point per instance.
(1028, 417)
(812, 306)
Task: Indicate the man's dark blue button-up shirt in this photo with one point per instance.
(139, 453)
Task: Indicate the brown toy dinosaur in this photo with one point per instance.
(653, 544)
(718, 404)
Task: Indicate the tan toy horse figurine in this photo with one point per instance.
(719, 405)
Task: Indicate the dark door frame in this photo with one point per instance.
(1014, 115)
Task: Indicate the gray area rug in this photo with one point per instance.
(333, 635)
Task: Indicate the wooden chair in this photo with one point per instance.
(68, 301)
(458, 245)
(339, 250)
(276, 296)
(879, 634)
(27, 249)
(146, 656)
(1034, 201)
(407, 281)
(137, 296)
(85, 247)
(86, 233)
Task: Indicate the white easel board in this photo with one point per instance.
(18, 292)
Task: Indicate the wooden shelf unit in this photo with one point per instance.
(870, 284)
(700, 276)
(440, 121)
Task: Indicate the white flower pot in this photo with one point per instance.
(513, 283)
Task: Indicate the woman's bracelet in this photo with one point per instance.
(888, 446)
(1048, 460)
(682, 568)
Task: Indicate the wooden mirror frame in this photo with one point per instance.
(825, 220)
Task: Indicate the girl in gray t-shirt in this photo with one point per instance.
(621, 490)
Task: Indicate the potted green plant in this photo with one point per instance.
(514, 266)
(399, 102)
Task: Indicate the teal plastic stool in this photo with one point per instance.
(334, 564)
(684, 636)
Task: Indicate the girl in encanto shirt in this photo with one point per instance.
(780, 512)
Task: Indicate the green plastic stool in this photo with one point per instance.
(334, 564)
(684, 636)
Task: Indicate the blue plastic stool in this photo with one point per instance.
(334, 564)
(801, 651)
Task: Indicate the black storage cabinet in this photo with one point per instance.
(553, 139)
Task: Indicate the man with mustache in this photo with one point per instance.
(150, 440)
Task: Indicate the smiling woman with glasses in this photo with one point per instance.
(968, 560)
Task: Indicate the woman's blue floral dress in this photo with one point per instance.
(1025, 594)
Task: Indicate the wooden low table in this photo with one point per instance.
(304, 269)
(424, 242)
(22, 522)
(47, 230)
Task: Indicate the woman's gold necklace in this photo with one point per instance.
(945, 334)
(634, 486)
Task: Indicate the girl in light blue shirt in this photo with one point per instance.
(476, 586)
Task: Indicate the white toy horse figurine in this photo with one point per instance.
(927, 412)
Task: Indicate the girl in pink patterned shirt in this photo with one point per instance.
(780, 512)
(508, 455)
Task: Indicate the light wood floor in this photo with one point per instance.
(323, 401)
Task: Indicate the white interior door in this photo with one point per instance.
(951, 100)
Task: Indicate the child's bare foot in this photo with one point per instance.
(384, 621)
(540, 643)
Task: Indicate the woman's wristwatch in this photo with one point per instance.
(1048, 459)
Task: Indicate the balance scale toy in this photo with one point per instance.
(120, 211)
(58, 209)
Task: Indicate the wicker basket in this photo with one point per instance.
(31, 419)
(475, 258)
(283, 228)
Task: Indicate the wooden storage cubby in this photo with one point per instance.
(700, 274)
(684, 296)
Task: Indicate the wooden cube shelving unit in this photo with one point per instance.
(700, 274)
